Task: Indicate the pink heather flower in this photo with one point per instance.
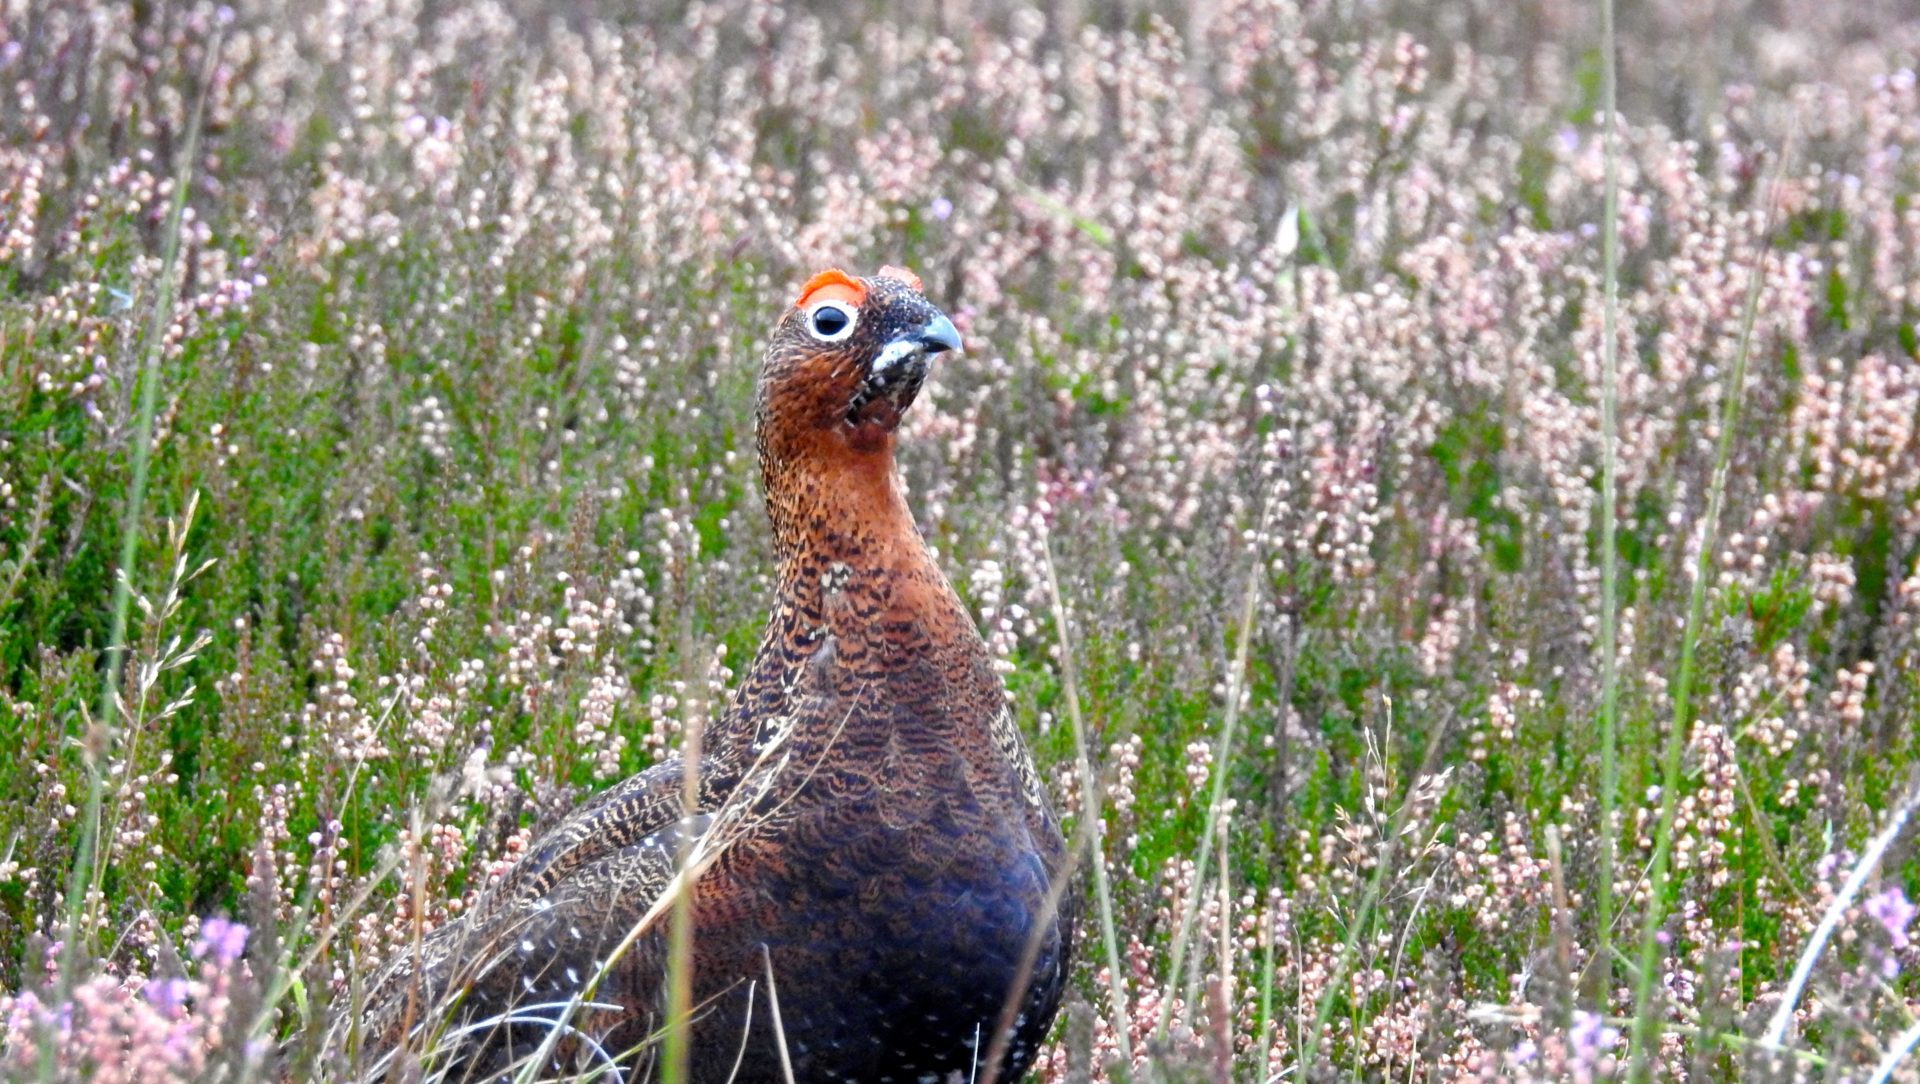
(222, 940)
(23, 1012)
(1893, 911)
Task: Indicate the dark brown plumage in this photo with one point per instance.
(870, 828)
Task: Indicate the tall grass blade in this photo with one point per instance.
(1216, 801)
(1093, 798)
(96, 743)
(1609, 508)
(1645, 1029)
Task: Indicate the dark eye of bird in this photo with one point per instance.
(829, 321)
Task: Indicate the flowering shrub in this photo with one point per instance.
(431, 329)
(166, 1029)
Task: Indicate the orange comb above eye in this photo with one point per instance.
(832, 284)
(902, 275)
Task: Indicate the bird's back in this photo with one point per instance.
(879, 878)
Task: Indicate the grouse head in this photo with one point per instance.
(847, 361)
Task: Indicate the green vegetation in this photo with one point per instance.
(1287, 384)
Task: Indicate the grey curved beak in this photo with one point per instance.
(940, 335)
(936, 336)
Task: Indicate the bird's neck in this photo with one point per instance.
(867, 637)
(840, 505)
(853, 567)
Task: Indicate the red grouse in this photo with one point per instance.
(870, 851)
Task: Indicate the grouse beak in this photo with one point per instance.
(940, 336)
(936, 336)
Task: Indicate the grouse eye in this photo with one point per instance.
(830, 321)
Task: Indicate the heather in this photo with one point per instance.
(409, 347)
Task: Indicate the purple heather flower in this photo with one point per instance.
(1590, 1038)
(1829, 863)
(168, 995)
(941, 208)
(222, 940)
(1893, 911)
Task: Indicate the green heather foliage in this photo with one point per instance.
(1282, 315)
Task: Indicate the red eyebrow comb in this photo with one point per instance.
(832, 284)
